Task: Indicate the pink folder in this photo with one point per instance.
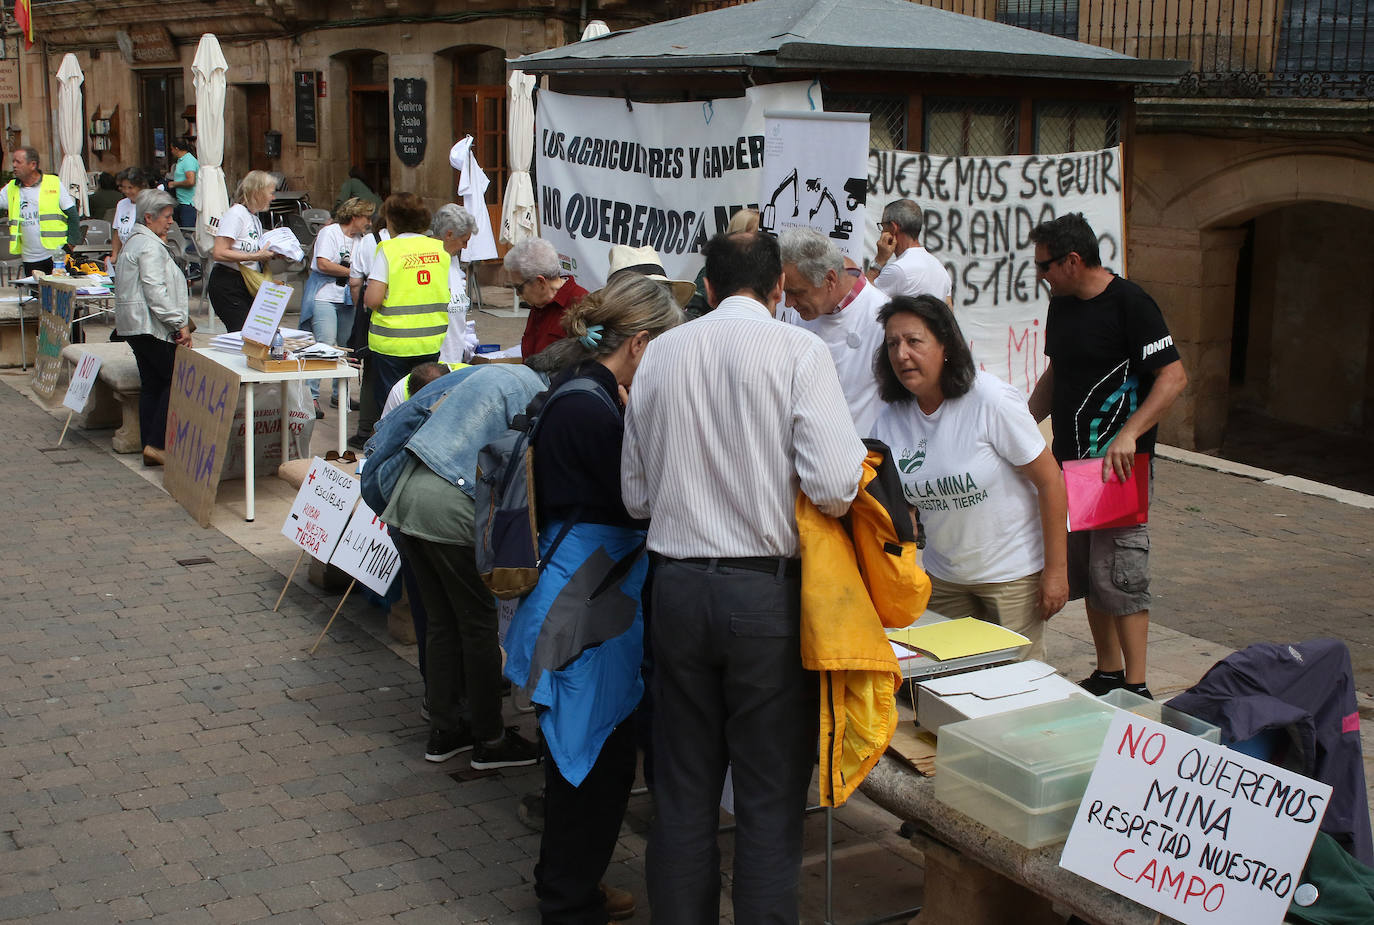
(1096, 505)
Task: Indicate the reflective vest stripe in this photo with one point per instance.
(406, 332)
(393, 311)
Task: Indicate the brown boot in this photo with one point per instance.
(152, 456)
(620, 904)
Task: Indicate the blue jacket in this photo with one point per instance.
(576, 647)
(478, 405)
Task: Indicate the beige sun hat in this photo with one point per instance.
(645, 262)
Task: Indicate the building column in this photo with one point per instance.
(1192, 275)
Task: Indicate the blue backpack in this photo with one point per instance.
(507, 532)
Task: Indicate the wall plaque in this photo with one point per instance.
(410, 118)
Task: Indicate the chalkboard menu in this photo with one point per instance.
(410, 119)
(306, 85)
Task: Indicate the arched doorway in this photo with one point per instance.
(369, 117)
(479, 110)
(1259, 258)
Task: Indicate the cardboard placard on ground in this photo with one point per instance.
(320, 512)
(1193, 830)
(83, 380)
(55, 301)
(199, 417)
(365, 550)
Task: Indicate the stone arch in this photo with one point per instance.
(1192, 198)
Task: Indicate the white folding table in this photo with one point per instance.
(250, 378)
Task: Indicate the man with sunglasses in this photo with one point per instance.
(1113, 372)
(903, 266)
(539, 279)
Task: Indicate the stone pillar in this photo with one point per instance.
(959, 890)
(1192, 275)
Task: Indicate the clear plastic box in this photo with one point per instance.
(1123, 699)
(1023, 773)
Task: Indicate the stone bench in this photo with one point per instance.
(114, 398)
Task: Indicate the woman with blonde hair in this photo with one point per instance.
(326, 303)
(594, 567)
(237, 245)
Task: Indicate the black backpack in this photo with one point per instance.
(507, 540)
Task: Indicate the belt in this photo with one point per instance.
(771, 565)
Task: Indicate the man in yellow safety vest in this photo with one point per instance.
(43, 219)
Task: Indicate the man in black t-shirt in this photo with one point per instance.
(1113, 372)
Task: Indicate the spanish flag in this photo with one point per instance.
(23, 16)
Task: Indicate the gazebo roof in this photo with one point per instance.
(869, 35)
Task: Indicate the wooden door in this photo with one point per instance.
(370, 134)
(480, 111)
(259, 100)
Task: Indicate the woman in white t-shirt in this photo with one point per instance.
(454, 225)
(326, 291)
(974, 465)
(236, 243)
(130, 181)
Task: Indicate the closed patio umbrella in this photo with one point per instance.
(209, 71)
(517, 212)
(70, 119)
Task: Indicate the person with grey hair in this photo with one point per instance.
(903, 266)
(454, 225)
(152, 313)
(236, 246)
(829, 297)
(538, 273)
(43, 219)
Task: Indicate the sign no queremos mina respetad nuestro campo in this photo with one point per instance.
(1198, 832)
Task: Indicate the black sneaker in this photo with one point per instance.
(1140, 690)
(531, 810)
(444, 745)
(357, 441)
(1103, 682)
(511, 751)
(319, 412)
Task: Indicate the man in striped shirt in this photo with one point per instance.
(730, 416)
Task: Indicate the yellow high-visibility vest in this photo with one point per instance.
(413, 319)
(52, 222)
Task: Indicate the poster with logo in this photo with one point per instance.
(978, 215)
(815, 175)
(666, 175)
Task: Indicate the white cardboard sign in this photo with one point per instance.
(978, 213)
(815, 175)
(320, 511)
(83, 380)
(268, 307)
(1198, 832)
(365, 550)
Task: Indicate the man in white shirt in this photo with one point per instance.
(730, 416)
(836, 303)
(903, 266)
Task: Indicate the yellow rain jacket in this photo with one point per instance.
(859, 575)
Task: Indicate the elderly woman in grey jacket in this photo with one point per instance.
(151, 313)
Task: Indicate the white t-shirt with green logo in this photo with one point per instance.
(958, 469)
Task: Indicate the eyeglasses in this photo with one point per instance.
(520, 286)
(1044, 265)
(882, 226)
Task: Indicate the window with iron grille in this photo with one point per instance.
(977, 126)
(1325, 36)
(1053, 17)
(1061, 127)
(887, 117)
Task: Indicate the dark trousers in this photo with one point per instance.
(229, 297)
(44, 265)
(729, 688)
(418, 618)
(155, 358)
(462, 658)
(391, 370)
(185, 215)
(581, 825)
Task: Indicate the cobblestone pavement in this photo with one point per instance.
(170, 753)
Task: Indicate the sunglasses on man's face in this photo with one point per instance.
(1044, 265)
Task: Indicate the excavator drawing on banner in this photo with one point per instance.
(768, 221)
(840, 230)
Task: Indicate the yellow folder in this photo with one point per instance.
(956, 638)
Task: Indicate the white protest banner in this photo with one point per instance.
(668, 175)
(83, 380)
(320, 511)
(365, 550)
(265, 315)
(979, 212)
(815, 175)
(1193, 830)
